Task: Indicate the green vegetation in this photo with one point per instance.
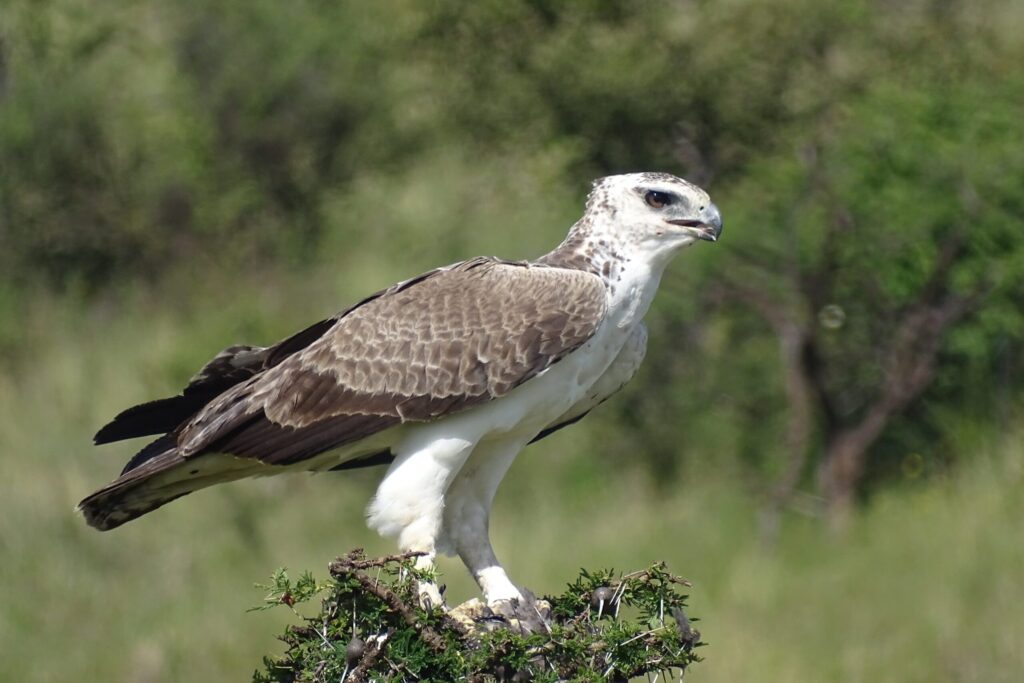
(824, 438)
(371, 627)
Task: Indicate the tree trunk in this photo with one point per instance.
(909, 369)
(839, 477)
(846, 452)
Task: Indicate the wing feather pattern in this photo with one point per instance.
(446, 341)
(440, 343)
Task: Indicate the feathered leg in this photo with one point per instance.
(409, 502)
(467, 516)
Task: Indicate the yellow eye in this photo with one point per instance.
(657, 200)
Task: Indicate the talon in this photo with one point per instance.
(527, 614)
(430, 597)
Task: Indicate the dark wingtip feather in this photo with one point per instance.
(155, 417)
(229, 367)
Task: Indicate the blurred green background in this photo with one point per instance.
(825, 437)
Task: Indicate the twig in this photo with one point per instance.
(431, 637)
(356, 559)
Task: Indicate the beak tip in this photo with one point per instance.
(715, 221)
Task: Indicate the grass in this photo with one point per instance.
(924, 586)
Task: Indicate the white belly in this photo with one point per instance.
(410, 500)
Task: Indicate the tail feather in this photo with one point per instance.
(156, 482)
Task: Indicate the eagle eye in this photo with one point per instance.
(658, 200)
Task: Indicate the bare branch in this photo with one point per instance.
(351, 565)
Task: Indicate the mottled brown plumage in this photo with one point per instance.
(442, 342)
(411, 354)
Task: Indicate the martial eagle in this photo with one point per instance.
(445, 378)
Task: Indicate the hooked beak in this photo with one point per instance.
(708, 227)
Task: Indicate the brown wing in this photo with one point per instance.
(441, 343)
(229, 367)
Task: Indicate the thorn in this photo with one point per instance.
(600, 597)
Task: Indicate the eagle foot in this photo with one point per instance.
(525, 616)
(431, 596)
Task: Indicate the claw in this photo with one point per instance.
(430, 596)
(528, 615)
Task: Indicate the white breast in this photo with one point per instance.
(621, 370)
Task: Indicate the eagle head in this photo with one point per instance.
(654, 211)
